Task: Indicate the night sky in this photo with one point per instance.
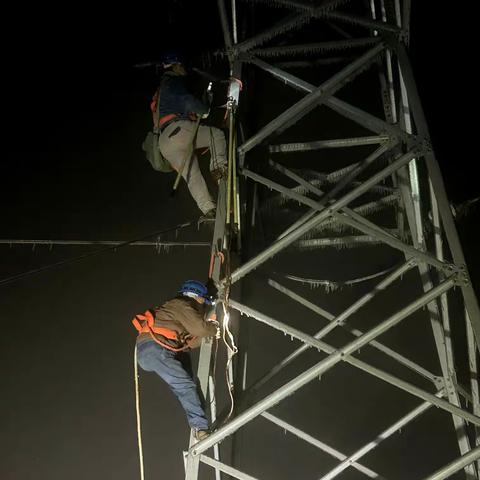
(75, 112)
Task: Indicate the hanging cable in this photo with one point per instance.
(213, 370)
(99, 251)
(137, 406)
(231, 352)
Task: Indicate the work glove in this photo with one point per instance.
(216, 325)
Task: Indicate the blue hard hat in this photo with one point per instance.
(170, 58)
(194, 288)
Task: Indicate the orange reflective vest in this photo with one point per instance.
(145, 323)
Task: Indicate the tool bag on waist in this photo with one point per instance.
(166, 337)
(154, 155)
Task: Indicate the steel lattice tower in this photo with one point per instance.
(386, 194)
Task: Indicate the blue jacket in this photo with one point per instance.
(175, 98)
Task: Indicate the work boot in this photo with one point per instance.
(200, 434)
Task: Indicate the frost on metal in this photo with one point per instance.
(331, 285)
(347, 241)
(389, 199)
(309, 6)
(313, 48)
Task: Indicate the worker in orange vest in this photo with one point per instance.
(166, 333)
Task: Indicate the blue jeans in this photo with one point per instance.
(165, 363)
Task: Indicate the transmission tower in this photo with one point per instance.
(374, 196)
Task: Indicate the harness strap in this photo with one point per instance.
(154, 104)
(167, 118)
(146, 324)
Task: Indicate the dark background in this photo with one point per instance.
(75, 113)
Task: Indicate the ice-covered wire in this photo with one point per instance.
(99, 251)
(330, 285)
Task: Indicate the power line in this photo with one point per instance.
(115, 243)
(99, 251)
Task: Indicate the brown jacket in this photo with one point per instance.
(185, 316)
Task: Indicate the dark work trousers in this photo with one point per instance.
(175, 370)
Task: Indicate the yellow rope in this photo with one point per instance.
(137, 405)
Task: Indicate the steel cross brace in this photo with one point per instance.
(382, 375)
(366, 120)
(337, 143)
(289, 23)
(411, 192)
(442, 340)
(309, 187)
(436, 180)
(304, 6)
(364, 22)
(330, 210)
(455, 465)
(314, 47)
(405, 420)
(313, 99)
(474, 376)
(333, 359)
(453, 396)
(345, 241)
(295, 20)
(340, 320)
(366, 367)
(320, 445)
(354, 172)
(352, 219)
(349, 217)
(233, 472)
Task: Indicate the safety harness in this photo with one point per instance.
(145, 323)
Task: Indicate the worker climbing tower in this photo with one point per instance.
(357, 313)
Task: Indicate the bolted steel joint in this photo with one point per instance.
(462, 278)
